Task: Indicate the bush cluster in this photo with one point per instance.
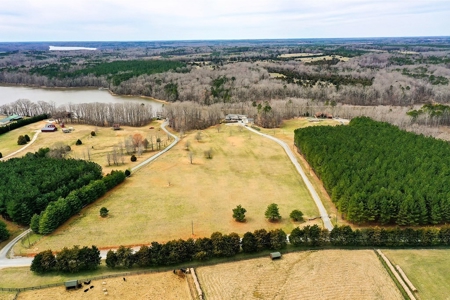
(71, 260)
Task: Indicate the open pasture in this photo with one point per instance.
(427, 269)
(326, 274)
(94, 148)
(170, 198)
(149, 286)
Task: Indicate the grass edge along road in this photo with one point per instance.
(323, 212)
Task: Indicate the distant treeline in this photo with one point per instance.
(309, 79)
(228, 245)
(377, 173)
(22, 122)
(116, 71)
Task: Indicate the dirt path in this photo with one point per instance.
(24, 147)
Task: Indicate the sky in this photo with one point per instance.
(148, 20)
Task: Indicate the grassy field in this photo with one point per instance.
(286, 134)
(427, 269)
(149, 286)
(161, 201)
(327, 274)
(94, 147)
(8, 141)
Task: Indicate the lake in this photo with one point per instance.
(61, 96)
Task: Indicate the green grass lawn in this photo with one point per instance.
(161, 201)
(427, 269)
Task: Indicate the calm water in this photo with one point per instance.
(10, 94)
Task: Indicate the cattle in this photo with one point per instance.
(91, 287)
(86, 290)
(87, 282)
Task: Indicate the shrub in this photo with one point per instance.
(1, 155)
(78, 142)
(272, 212)
(127, 173)
(296, 215)
(67, 148)
(21, 140)
(239, 213)
(92, 133)
(104, 212)
(27, 138)
(133, 158)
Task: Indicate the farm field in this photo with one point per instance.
(148, 286)
(427, 269)
(98, 147)
(162, 200)
(326, 274)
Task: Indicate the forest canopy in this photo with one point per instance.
(29, 184)
(376, 172)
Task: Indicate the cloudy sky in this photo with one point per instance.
(120, 20)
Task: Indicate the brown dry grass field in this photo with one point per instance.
(7, 295)
(104, 141)
(161, 200)
(326, 274)
(427, 269)
(149, 286)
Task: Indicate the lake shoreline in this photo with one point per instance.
(81, 89)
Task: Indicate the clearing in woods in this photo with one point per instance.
(325, 274)
(162, 200)
(148, 286)
(427, 269)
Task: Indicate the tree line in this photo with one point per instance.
(59, 211)
(98, 114)
(21, 123)
(228, 245)
(71, 260)
(30, 183)
(376, 172)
